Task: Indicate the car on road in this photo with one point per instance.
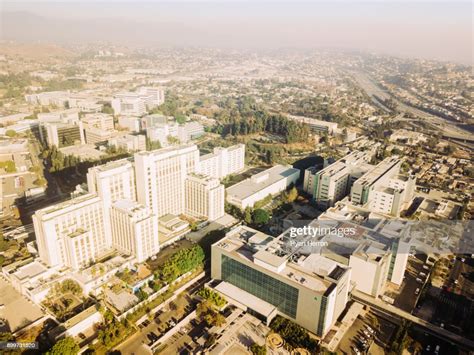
(417, 291)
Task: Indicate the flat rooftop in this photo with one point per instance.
(30, 270)
(241, 242)
(260, 181)
(378, 171)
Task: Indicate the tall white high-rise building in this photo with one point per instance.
(161, 176)
(112, 182)
(134, 229)
(223, 161)
(71, 233)
(204, 197)
(129, 104)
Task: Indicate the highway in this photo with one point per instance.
(430, 328)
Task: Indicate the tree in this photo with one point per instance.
(258, 349)
(11, 133)
(260, 216)
(64, 346)
(8, 165)
(40, 182)
(248, 215)
(180, 118)
(72, 286)
(292, 195)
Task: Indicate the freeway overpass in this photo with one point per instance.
(428, 327)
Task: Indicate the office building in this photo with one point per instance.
(112, 182)
(333, 183)
(154, 96)
(390, 239)
(51, 98)
(261, 275)
(204, 197)
(394, 196)
(128, 104)
(154, 120)
(71, 233)
(96, 136)
(129, 142)
(137, 103)
(375, 177)
(134, 229)
(268, 182)
(223, 161)
(161, 176)
(100, 121)
(61, 128)
(162, 132)
(189, 131)
(129, 122)
(317, 126)
(61, 134)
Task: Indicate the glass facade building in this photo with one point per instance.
(261, 285)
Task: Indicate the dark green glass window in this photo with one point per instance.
(267, 288)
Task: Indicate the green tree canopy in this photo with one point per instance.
(260, 216)
(64, 346)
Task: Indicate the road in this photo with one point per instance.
(433, 329)
(371, 88)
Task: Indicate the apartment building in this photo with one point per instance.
(134, 229)
(71, 233)
(259, 274)
(223, 161)
(333, 183)
(161, 176)
(204, 197)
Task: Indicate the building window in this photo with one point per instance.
(265, 287)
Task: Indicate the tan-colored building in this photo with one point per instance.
(204, 197)
(134, 230)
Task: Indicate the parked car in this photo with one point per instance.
(417, 291)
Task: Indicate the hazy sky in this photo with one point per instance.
(427, 29)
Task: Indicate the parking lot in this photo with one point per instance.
(362, 336)
(415, 276)
(16, 309)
